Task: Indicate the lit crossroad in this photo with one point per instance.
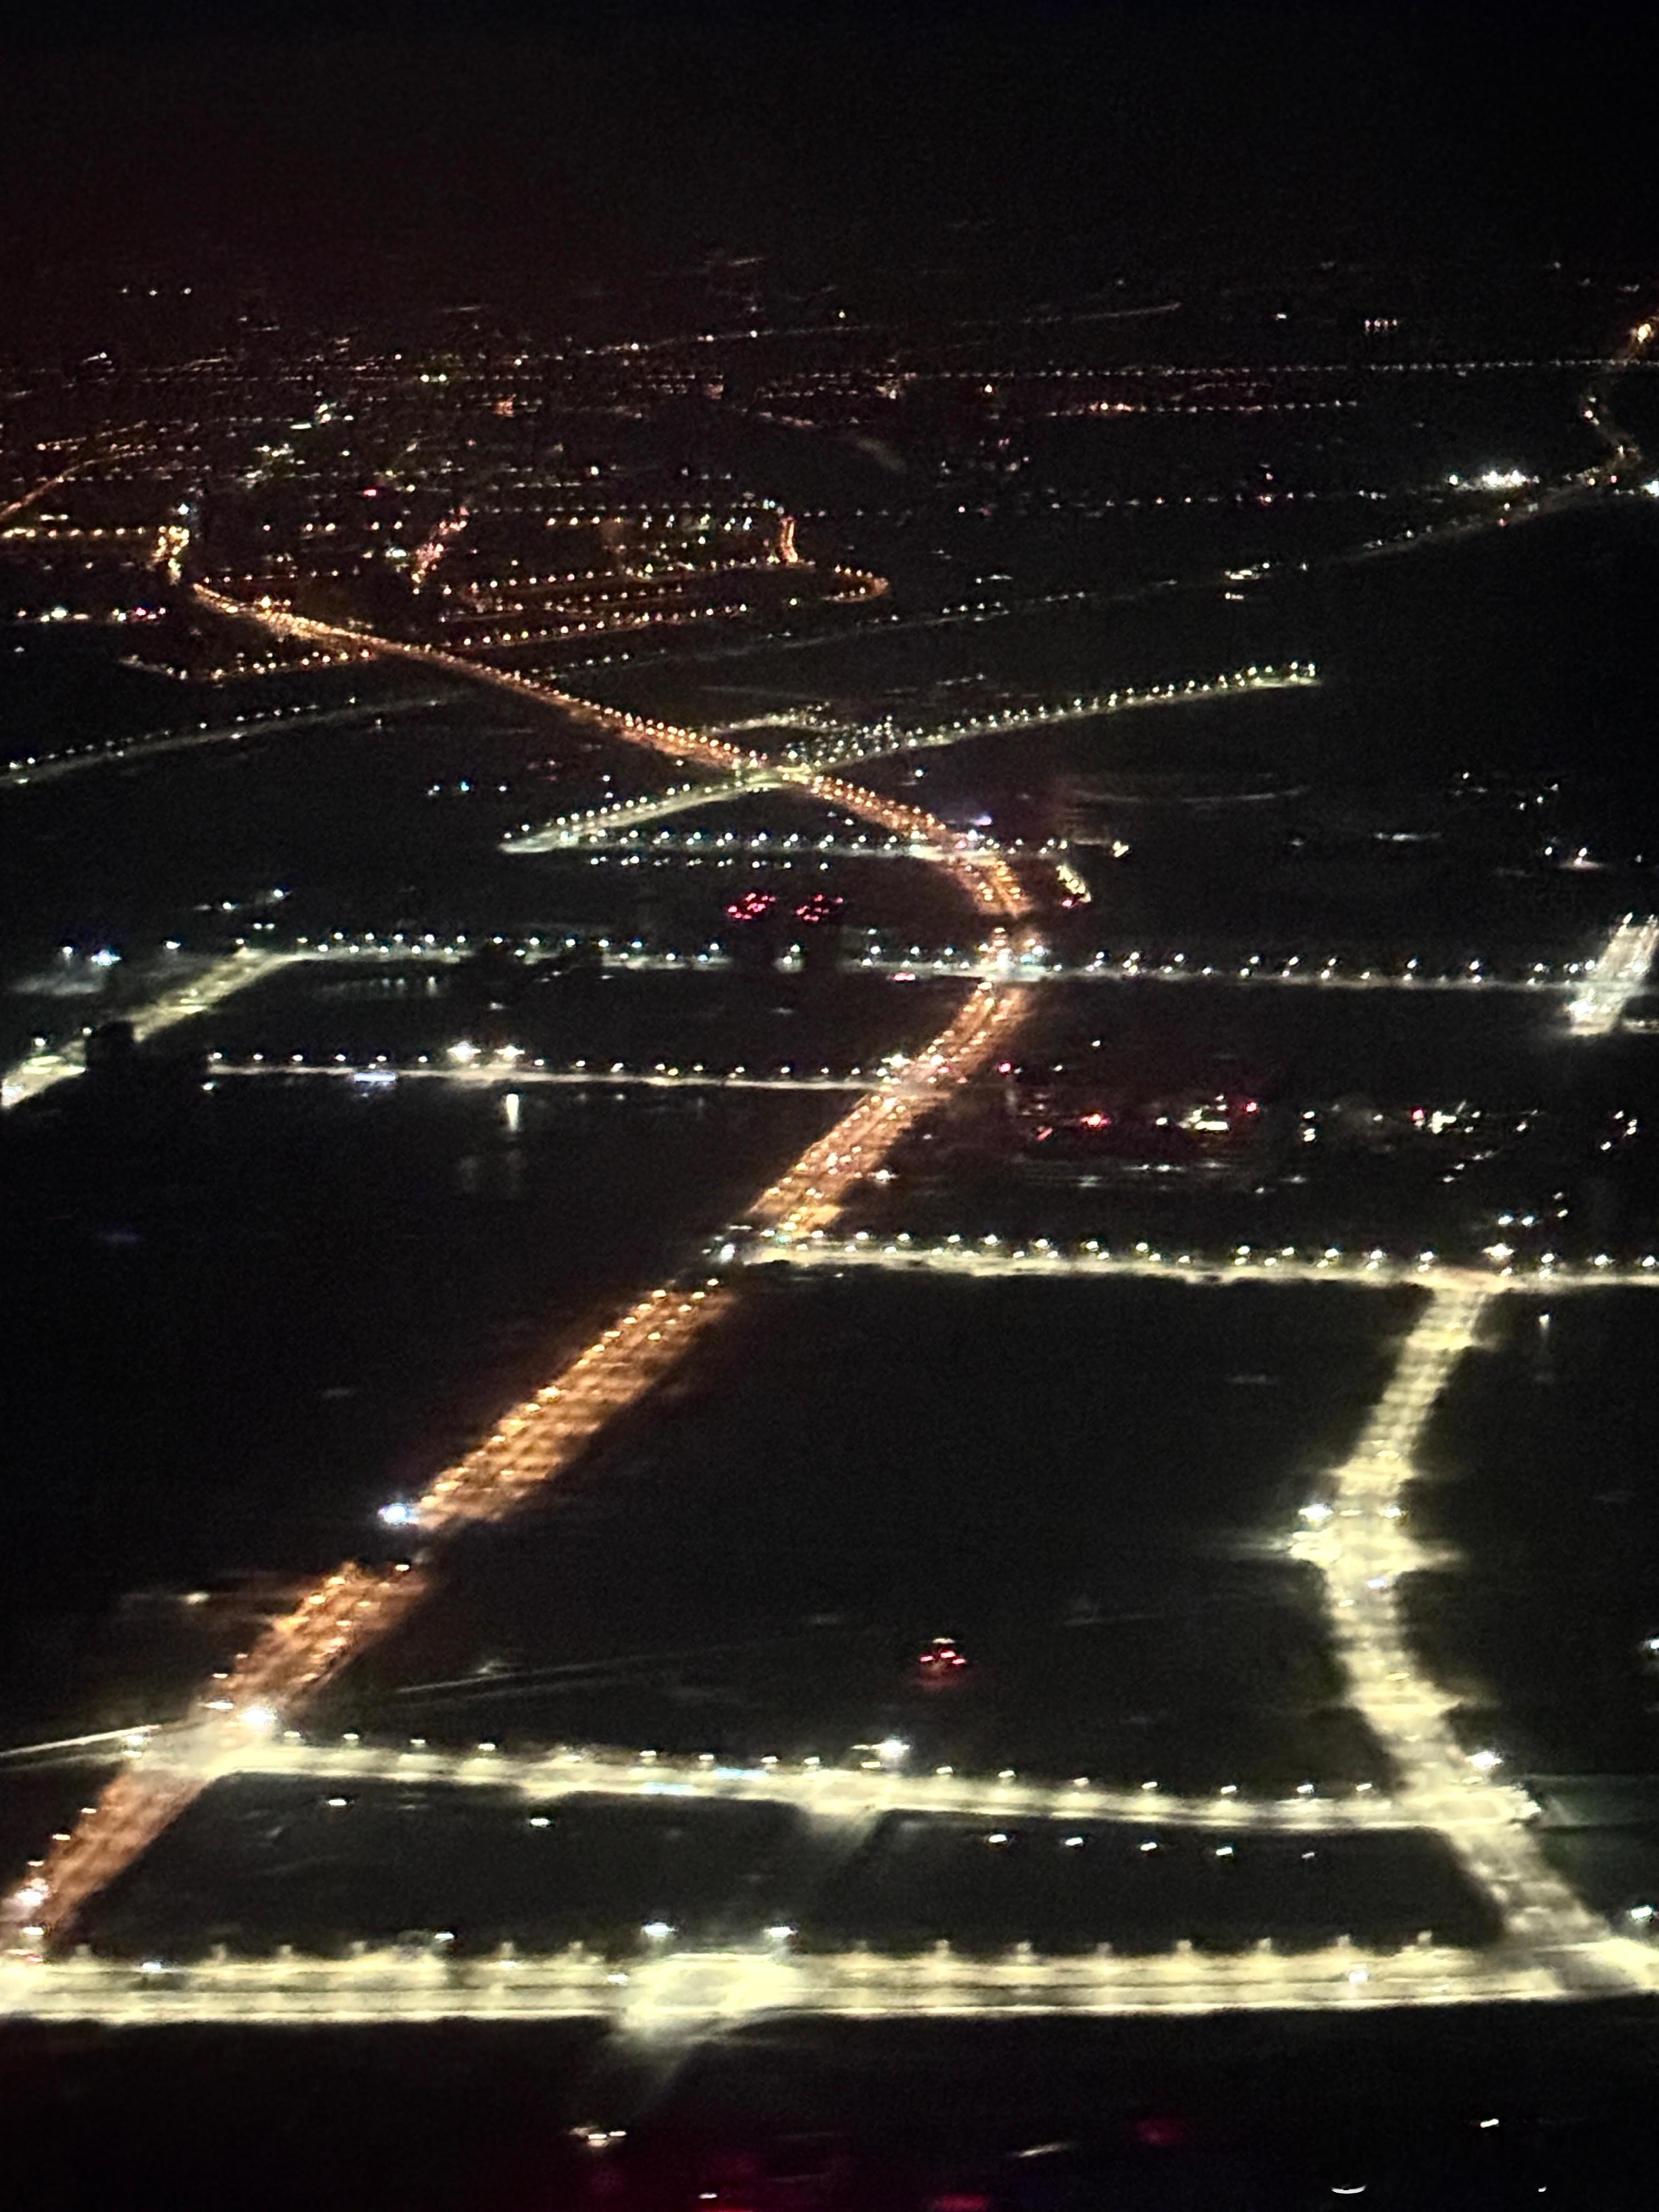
(205, 989)
(838, 745)
(973, 862)
(1353, 1532)
(530, 1444)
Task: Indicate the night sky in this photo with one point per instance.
(379, 158)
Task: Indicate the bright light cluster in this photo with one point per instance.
(1619, 971)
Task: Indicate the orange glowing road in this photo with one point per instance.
(532, 1444)
(811, 1194)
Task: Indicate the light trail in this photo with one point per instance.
(178, 1002)
(1617, 972)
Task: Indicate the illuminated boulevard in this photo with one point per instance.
(844, 743)
(49, 767)
(975, 864)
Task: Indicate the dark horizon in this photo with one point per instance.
(412, 159)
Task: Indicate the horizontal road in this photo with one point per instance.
(991, 1256)
(862, 1792)
(984, 964)
(492, 1074)
(48, 768)
(690, 1990)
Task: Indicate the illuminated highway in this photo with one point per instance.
(1357, 1532)
(842, 743)
(532, 1444)
(974, 863)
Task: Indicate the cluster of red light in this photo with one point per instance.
(751, 906)
(821, 907)
(940, 1657)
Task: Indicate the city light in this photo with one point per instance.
(701, 555)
